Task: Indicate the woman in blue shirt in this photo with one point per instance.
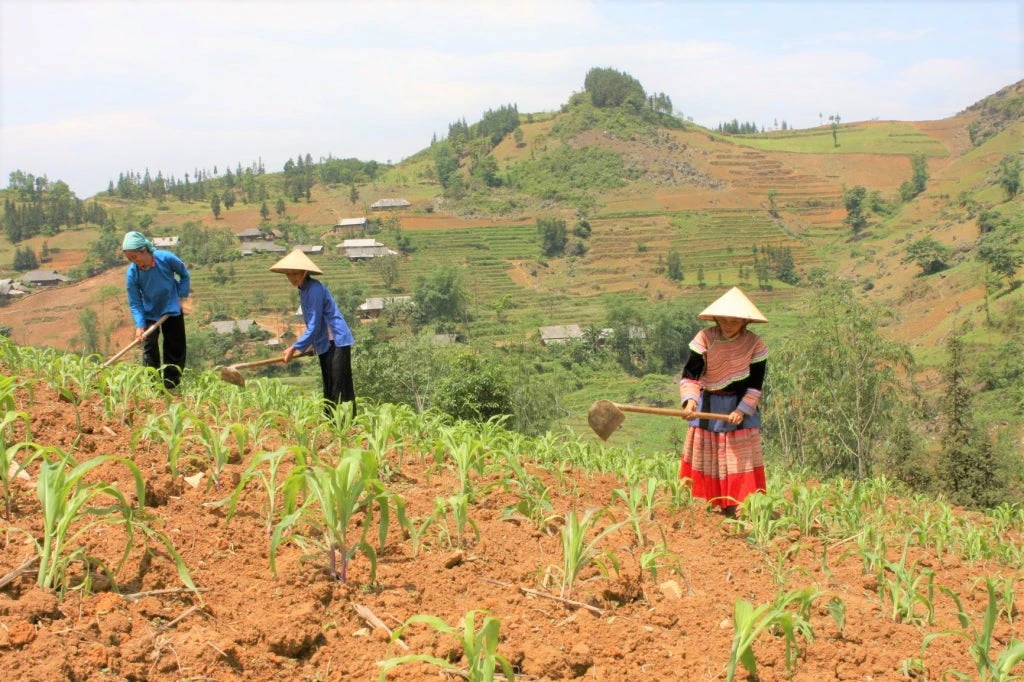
(157, 281)
(327, 333)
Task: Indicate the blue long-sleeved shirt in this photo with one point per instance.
(156, 292)
(324, 321)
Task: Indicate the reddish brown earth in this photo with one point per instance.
(303, 625)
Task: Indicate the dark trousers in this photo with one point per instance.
(336, 371)
(173, 331)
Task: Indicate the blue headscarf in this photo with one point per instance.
(133, 241)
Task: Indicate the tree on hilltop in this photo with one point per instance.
(611, 88)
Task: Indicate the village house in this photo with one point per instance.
(230, 326)
(560, 333)
(251, 234)
(372, 307)
(251, 248)
(314, 249)
(10, 287)
(44, 278)
(350, 224)
(166, 242)
(385, 204)
(364, 249)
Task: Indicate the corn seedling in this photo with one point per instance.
(479, 648)
(577, 552)
(659, 557)
(455, 508)
(750, 622)
(805, 508)
(216, 448)
(10, 466)
(759, 520)
(534, 505)
(1006, 594)
(335, 495)
(979, 639)
(70, 514)
(640, 502)
(417, 527)
(679, 493)
(170, 428)
(780, 568)
(265, 468)
(908, 587)
(837, 609)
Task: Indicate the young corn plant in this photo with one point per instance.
(336, 494)
(578, 552)
(750, 622)
(640, 502)
(171, 429)
(479, 648)
(216, 449)
(457, 507)
(837, 609)
(14, 459)
(979, 639)
(72, 509)
(909, 587)
(266, 469)
(759, 518)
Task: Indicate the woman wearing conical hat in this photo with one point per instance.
(725, 375)
(327, 333)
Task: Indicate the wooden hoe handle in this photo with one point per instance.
(644, 409)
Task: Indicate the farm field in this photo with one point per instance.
(591, 561)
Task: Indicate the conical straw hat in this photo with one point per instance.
(296, 260)
(733, 303)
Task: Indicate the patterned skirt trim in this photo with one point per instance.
(724, 468)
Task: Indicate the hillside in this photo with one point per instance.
(647, 191)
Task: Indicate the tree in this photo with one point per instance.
(853, 200)
(264, 210)
(773, 210)
(834, 119)
(90, 336)
(919, 162)
(229, 197)
(611, 88)
(25, 259)
(215, 206)
(387, 268)
(1002, 254)
(280, 208)
(675, 266)
(928, 254)
(441, 296)
(553, 236)
(845, 396)
(1009, 175)
(353, 194)
(968, 465)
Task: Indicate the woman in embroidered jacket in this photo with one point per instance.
(725, 374)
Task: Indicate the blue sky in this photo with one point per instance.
(91, 89)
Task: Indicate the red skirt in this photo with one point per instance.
(723, 467)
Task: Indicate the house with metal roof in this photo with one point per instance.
(560, 333)
(10, 287)
(372, 307)
(44, 278)
(364, 249)
(166, 242)
(382, 204)
(230, 326)
(350, 224)
(252, 248)
(250, 235)
(314, 249)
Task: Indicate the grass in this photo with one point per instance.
(880, 138)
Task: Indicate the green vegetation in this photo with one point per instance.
(874, 138)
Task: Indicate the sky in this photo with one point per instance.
(90, 89)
